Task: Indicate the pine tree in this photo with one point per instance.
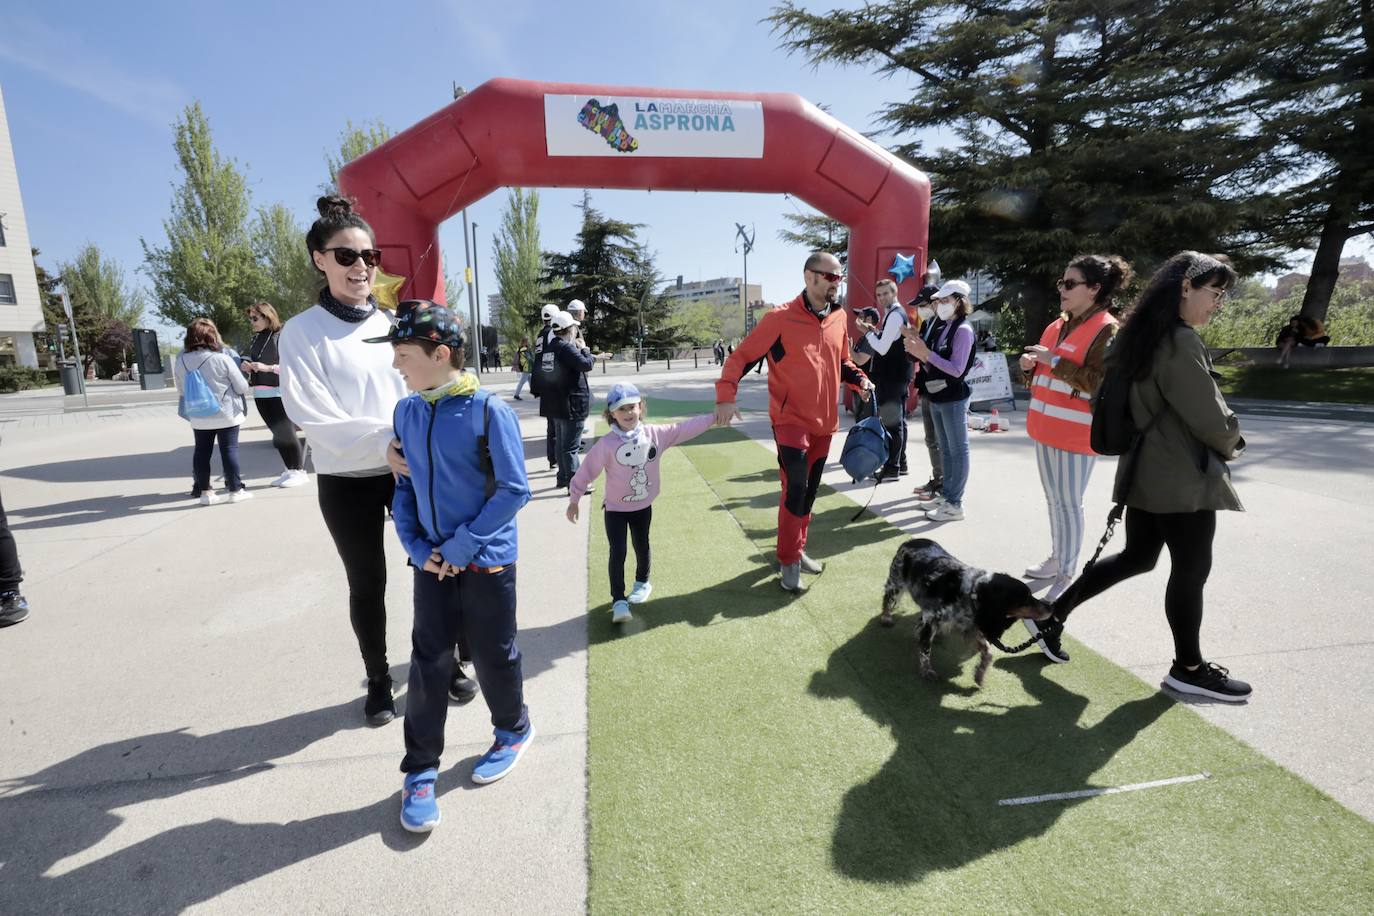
(1081, 126)
(1314, 72)
(614, 276)
(208, 267)
(817, 232)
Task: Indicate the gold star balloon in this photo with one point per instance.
(387, 289)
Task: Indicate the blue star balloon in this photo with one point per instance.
(903, 266)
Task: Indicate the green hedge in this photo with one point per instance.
(1251, 318)
(22, 378)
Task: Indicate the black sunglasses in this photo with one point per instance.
(347, 257)
(832, 278)
(1071, 284)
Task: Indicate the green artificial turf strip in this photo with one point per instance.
(751, 751)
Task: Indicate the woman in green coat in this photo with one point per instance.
(1181, 477)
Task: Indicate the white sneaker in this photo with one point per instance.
(620, 612)
(1046, 570)
(640, 593)
(1060, 586)
(240, 496)
(945, 512)
(292, 479)
(209, 498)
(934, 502)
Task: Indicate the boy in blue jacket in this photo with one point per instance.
(455, 515)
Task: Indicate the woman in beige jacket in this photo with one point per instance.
(1181, 477)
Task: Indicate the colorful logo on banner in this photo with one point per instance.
(607, 124)
(697, 128)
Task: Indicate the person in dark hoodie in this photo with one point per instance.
(260, 364)
(455, 515)
(541, 340)
(566, 396)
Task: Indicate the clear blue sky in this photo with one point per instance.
(93, 88)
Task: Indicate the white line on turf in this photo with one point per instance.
(1109, 790)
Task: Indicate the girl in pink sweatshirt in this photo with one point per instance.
(629, 454)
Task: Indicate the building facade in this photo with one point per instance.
(719, 290)
(21, 311)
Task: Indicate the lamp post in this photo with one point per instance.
(76, 347)
(747, 240)
(468, 275)
(477, 291)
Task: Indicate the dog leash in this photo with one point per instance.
(1113, 518)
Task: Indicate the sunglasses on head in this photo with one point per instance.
(1067, 285)
(832, 278)
(347, 257)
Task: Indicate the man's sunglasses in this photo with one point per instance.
(829, 277)
(347, 257)
(1067, 285)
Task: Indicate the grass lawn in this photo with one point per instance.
(1339, 386)
(755, 752)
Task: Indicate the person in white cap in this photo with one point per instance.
(566, 396)
(541, 340)
(946, 362)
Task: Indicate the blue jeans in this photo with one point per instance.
(228, 455)
(951, 432)
(567, 448)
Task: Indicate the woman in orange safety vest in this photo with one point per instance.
(1065, 369)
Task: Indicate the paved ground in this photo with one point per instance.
(181, 721)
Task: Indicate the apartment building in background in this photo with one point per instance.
(21, 312)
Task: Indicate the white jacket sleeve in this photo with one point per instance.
(312, 405)
(892, 331)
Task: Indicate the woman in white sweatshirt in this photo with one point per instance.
(341, 392)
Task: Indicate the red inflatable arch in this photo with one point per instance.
(516, 133)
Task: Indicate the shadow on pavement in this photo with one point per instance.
(933, 805)
(71, 807)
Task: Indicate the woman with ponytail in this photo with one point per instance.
(342, 392)
(1065, 369)
(1178, 479)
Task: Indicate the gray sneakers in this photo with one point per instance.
(810, 566)
(791, 577)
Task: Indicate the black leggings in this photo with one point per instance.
(637, 523)
(283, 432)
(355, 510)
(1188, 535)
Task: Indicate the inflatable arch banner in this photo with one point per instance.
(518, 133)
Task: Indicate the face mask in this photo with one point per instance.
(926, 312)
(945, 310)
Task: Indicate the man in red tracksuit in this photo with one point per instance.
(806, 345)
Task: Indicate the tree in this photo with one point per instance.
(1080, 125)
(817, 232)
(614, 275)
(519, 266)
(1314, 72)
(354, 141)
(279, 243)
(104, 307)
(53, 315)
(208, 267)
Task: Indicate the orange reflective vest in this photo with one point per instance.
(1060, 415)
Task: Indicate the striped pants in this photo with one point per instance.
(1064, 475)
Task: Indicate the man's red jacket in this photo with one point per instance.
(808, 358)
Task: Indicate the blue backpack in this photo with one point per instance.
(865, 448)
(197, 400)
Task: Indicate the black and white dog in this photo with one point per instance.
(956, 597)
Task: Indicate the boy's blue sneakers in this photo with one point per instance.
(505, 753)
(620, 611)
(640, 593)
(419, 807)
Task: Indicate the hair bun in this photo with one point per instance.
(334, 205)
